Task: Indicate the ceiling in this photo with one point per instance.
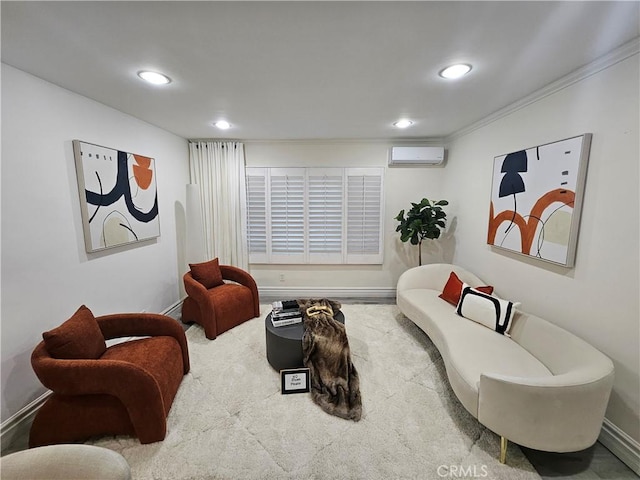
(310, 70)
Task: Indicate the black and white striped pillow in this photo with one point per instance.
(487, 310)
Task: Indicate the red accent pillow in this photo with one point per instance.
(453, 290)
(207, 273)
(78, 337)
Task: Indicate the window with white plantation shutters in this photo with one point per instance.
(325, 214)
(288, 236)
(315, 215)
(257, 214)
(364, 216)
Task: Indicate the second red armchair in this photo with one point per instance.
(215, 304)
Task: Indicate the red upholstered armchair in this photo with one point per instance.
(215, 304)
(125, 389)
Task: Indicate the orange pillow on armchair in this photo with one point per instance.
(207, 273)
(78, 337)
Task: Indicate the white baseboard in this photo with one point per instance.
(172, 309)
(327, 292)
(18, 423)
(621, 445)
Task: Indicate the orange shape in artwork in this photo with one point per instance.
(528, 227)
(142, 173)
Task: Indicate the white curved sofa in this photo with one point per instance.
(543, 388)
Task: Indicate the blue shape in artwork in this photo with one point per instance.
(121, 189)
(512, 165)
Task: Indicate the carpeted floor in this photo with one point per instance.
(230, 421)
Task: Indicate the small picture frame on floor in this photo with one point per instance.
(295, 380)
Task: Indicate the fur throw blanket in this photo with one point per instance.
(335, 385)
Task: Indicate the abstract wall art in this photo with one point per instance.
(536, 198)
(118, 196)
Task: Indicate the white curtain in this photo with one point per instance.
(218, 169)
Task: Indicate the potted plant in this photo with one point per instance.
(423, 220)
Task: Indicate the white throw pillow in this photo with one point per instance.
(487, 310)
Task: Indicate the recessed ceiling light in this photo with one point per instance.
(403, 123)
(455, 71)
(154, 77)
(222, 124)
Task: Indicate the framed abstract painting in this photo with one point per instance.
(536, 199)
(118, 196)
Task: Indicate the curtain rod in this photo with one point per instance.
(197, 144)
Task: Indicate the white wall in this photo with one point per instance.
(598, 299)
(46, 274)
(402, 186)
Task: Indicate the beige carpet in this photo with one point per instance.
(230, 421)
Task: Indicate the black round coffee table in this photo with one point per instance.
(284, 344)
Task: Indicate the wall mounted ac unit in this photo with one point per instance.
(415, 156)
